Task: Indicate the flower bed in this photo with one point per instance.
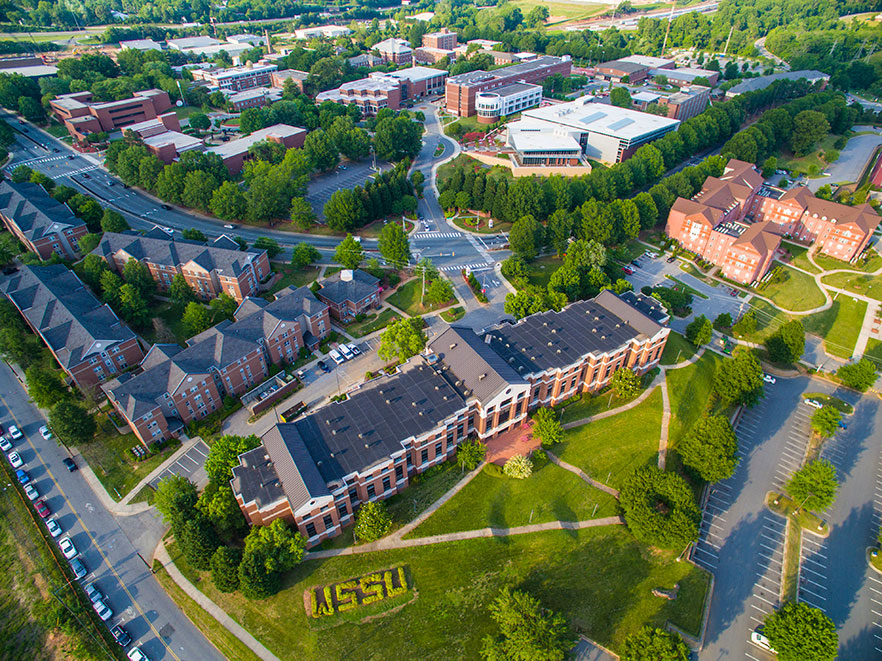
(474, 285)
(347, 595)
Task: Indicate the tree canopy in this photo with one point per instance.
(653, 644)
(798, 632)
(372, 522)
(740, 379)
(825, 421)
(402, 339)
(787, 343)
(710, 448)
(526, 630)
(814, 486)
(659, 508)
(349, 253)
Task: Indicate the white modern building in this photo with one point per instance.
(140, 44)
(506, 100)
(327, 31)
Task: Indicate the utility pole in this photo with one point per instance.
(833, 47)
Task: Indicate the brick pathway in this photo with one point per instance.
(517, 440)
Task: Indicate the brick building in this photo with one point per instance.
(349, 293)
(42, 224)
(163, 137)
(86, 338)
(461, 91)
(81, 116)
(395, 51)
(237, 79)
(443, 39)
(209, 269)
(686, 76)
(278, 78)
(235, 152)
(688, 102)
(316, 471)
(176, 386)
(387, 90)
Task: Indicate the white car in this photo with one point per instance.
(103, 611)
(31, 492)
(815, 404)
(45, 432)
(345, 352)
(135, 654)
(768, 378)
(336, 357)
(14, 432)
(758, 638)
(68, 548)
(15, 460)
(5, 445)
(53, 527)
(354, 349)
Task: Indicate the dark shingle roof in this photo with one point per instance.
(339, 291)
(297, 472)
(255, 478)
(74, 323)
(167, 252)
(34, 211)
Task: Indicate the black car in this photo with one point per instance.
(9, 270)
(323, 366)
(672, 258)
(69, 464)
(85, 176)
(167, 207)
(56, 150)
(70, 157)
(634, 262)
(120, 635)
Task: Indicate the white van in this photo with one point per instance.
(336, 357)
(344, 350)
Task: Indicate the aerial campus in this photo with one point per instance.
(456, 330)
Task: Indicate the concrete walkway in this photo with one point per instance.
(119, 509)
(434, 507)
(666, 419)
(161, 554)
(581, 474)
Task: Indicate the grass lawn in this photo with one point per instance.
(677, 349)
(424, 489)
(292, 276)
(184, 112)
(372, 230)
(56, 130)
(453, 314)
(609, 449)
(695, 272)
(874, 350)
(549, 494)
(789, 161)
(839, 325)
(768, 319)
(798, 256)
(873, 262)
(110, 457)
(591, 404)
(689, 389)
(796, 292)
(407, 299)
(481, 225)
(560, 9)
(600, 579)
(374, 322)
(858, 283)
(540, 269)
(171, 325)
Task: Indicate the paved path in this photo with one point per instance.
(161, 554)
(578, 471)
(186, 447)
(666, 419)
(605, 414)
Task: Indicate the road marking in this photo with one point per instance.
(89, 532)
(802, 589)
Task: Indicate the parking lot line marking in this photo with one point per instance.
(802, 589)
(769, 559)
(808, 580)
(703, 550)
(770, 603)
(765, 612)
(818, 573)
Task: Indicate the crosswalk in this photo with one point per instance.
(437, 235)
(88, 168)
(41, 159)
(476, 267)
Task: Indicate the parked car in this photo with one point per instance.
(5, 445)
(345, 352)
(9, 270)
(354, 349)
(628, 270)
(67, 548)
(42, 508)
(69, 464)
(815, 404)
(120, 635)
(842, 425)
(93, 593)
(758, 638)
(768, 378)
(45, 432)
(229, 226)
(323, 366)
(79, 569)
(15, 459)
(14, 432)
(22, 476)
(135, 654)
(31, 492)
(634, 262)
(672, 258)
(733, 292)
(103, 610)
(336, 357)
(53, 527)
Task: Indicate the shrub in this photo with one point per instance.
(518, 467)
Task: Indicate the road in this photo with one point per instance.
(115, 564)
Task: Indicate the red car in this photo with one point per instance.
(42, 508)
(628, 270)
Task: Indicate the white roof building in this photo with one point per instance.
(251, 39)
(189, 43)
(141, 44)
(394, 45)
(329, 31)
(647, 61)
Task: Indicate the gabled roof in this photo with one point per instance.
(761, 237)
(74, 323)
(862, 216)
(297, 472)
(337, 290)
(34, 211)
(697, 211)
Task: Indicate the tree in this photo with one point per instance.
(218, 503)
(372, 522)
(302, 215)
(746, 325)
(526, 630)
(653, 644)
(860, 375)
(224, 454)
(659, 508)
(137, 275)
(222, 307)
(271, 246)
(31, 109)
(71, 423)
(196, 318)
(814, 486)
(740, 379)
(394, 245)
(546, 427)
(45, 386)
(89, 242)
(439, 291)
(227, 202)
(625, 383)
(132, 306)
(278, 547)
(198, 541)
(518, 466)
(700, 331)
(93, 267)
(110, 286)
(321, 151)
(200, 121)
(199, 187)
(304, 254)
(175, 498)
(710, 448)
(723, 320)
(180, 290)
(525, 237)
(809, 126)
(770, 166)
(113, 221)
(396, 138)
(402, 339)
(825, 421)
(170, 183)
(787, 343)
(225, 568)
(470, 453)
(349, 253)
(798, 632)
(619, 96)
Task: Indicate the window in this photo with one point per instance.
(353, 495)
(409, 461)
(342, 510)
(310, 529)
(424, 456)
(371, 491)
(399, 472)
(387, 484)
(328, 521)
(439, 449)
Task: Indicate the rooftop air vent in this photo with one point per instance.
(453, 345)
(482, 377)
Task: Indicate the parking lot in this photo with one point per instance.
(190, 465)
(323, 186)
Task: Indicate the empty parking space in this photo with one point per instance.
(190, 465)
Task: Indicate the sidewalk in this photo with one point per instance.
(161, 554)
(158, 470)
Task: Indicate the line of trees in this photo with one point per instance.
(390, 193)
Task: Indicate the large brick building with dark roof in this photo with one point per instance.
(84, 335)
(349, 293)
(315, 471)
(42, 224)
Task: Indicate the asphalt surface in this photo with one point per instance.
(348, 175)
(848, 167)
(114, 562)
(190, 465)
